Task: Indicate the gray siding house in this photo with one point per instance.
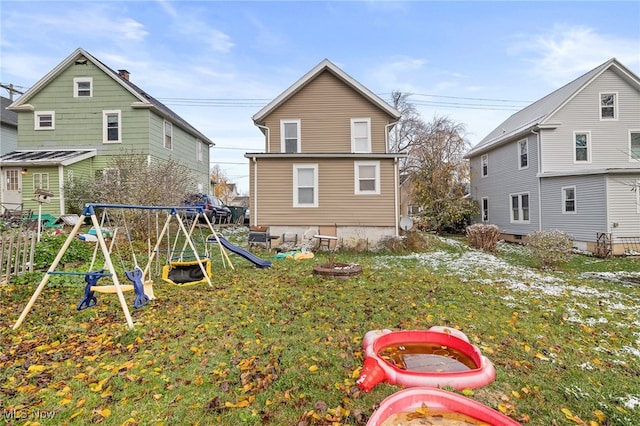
(79, 116)
(8, 127)
(570, 162)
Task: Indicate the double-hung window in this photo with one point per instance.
(519, 208)
(83, 87)
(484, 164)
(634, 145)
(485, 209)
(360, 135)
(168, 135)
(582, 147)
(111, 126)
(523, 154)
(45, 120)
(199, 151)
(608, 106)
(305, 185)
(41, 181)
(367, 177)
(290, 136)
(569, 199)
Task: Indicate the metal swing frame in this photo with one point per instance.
(89, 212)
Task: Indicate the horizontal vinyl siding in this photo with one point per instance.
(609, 138)
(623, 205)
(8, 139)
(591, 214)
(78, 121)
(28, 189)
(505, 178)
(325, 107)
(337, 203)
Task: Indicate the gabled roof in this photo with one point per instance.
(145, 100)
(538, 113)
(323, 66)
(7, 117)
(45, 157)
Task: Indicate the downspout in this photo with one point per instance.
(61, 181)
(539, 179)
(254, 215)
(267, 134)
(395, 194)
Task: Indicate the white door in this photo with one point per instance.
(12, 189)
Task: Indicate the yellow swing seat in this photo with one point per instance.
(184, 273)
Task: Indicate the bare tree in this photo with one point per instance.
(409, 127)
(130, 179)
(439, 174)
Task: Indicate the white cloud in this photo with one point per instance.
(565, 52)
(394, 75)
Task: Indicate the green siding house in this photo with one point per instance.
(76, 117)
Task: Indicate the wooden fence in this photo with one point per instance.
(16, 254)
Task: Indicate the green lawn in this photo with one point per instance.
(282, 346)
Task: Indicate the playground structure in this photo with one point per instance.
(139, 277)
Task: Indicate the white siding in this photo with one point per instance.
(622, 195)
(609, 138)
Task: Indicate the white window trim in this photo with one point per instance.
(564, 200)
(298, 135)
(356, 172)
(484, 212)
(297, 167)
(353, 138)
(484, 159)
(164, 134)
(199, 151)
(105, 130)
(631, 159)
(519, 195)
(36, 118)
(526, 142)
(40, 181)
(615, 106)
(573, 142)
(77, 80)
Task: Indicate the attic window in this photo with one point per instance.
(45, 120)
(82, 87)
(608, 106)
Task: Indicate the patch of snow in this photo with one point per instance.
(631, 402)
(631, 350)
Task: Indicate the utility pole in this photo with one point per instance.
(11, 89)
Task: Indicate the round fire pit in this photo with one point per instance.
(337, 270)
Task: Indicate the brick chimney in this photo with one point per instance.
(124, 74)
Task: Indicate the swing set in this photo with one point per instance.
(188, 272)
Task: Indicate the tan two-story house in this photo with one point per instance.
(327, 168)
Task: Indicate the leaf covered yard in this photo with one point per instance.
(282, 346)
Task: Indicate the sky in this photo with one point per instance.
(217, 63)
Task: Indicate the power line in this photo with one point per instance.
(469, 99)
(478, 103)
(229, 162)
(233, 148)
